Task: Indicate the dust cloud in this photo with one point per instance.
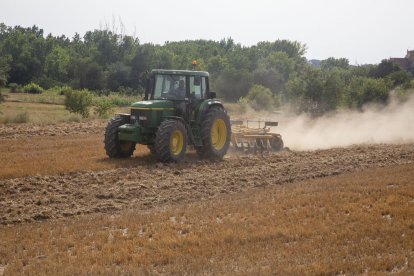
(393, 124)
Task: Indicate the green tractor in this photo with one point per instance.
(178, 110)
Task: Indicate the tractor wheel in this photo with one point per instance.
(115, 148)
(215, 134)
(170, 141)
(276, 143)
(151, 148)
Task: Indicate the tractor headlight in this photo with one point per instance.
(142, 118)
(133, 118)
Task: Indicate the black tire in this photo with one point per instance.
(167, 141)
(151, 148)
(276, 143)
(209, 148)
(113, 146)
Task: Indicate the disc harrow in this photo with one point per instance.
(255, 139)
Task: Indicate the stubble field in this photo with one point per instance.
(66, 208)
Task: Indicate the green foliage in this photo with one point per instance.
(260, 98)
(120, 101)
(400, 77)
(364, 90)
(335, 63)
(2, 98)
(33, 88)
(15, 88)
(78, 101)
(103, 61)
(103, 107)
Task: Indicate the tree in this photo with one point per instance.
(385, 68)
(335, 63)
(260, 98)
(233, 84)
(56, 64)
(274, 71)
(364, 90)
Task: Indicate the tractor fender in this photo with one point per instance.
(206, 106)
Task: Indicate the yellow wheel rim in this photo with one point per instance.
(219, 134)
(177, 142)
(125, 146)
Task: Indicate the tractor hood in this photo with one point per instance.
(154, 105)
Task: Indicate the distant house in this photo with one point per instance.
(407, 62)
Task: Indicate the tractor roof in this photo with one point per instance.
(180, 72)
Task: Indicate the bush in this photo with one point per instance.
(119, 101)
(260, 97)
(62, 90)
(103, 107)
(78, 101)
(17, 119)
(33, 88)
(2, 98)
(15, 88)
(367, 90)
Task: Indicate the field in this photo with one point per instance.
(65, 208)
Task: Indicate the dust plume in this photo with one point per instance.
(392, 124)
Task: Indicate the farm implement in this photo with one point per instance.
(250, 137)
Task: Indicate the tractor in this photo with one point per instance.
(178, 110)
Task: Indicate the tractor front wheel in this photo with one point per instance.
(113, 146)
(215, 134)
(170, 141)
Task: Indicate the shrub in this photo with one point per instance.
(78, 101)
(14, 87)
(367, 90)
(17, 119)
(2, 98)
(120, 101)
(260, 97)
(33, 88)
(62, 90)
(103, 107)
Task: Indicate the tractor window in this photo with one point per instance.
(169, 87)
(197, 87)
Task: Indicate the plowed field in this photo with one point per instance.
(60, 173)
(49, 175)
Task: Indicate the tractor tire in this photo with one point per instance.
(276, 143)
(215, 134)
(113, 146)
(151, 148)
(170, 141)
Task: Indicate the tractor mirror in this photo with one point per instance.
(211, 95)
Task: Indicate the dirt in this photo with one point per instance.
(17, 131)
(151, 184)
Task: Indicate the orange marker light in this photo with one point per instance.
(194, 62)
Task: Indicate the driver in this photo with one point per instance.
(180, 90)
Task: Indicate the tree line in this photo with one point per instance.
(264, 75)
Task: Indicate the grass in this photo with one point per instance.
(351, 224)
(41, 113)
(47, 97)
(10, 112)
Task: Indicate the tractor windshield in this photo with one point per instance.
(171, 87)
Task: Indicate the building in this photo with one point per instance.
(407, 62)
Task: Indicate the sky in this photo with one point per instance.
(364, 31)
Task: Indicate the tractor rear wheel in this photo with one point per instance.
(215, 134)
(276, 143)
(170, 141)
(113, 146)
